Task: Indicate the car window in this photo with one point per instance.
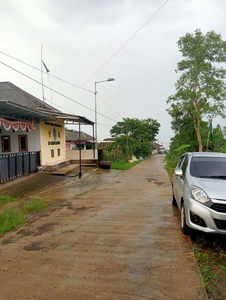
(184, 164)
(208, 167)
(180, 162)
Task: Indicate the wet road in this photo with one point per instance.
(119, 241)
(51, 187)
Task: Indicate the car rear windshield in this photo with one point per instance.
(208, 167)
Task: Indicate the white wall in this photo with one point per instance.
(33, 137)
(74, 154)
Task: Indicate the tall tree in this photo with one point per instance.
(201, 88)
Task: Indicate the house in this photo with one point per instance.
(106, 142)
(87, 143)
(32, 133)
(72, 140)
(158, 148)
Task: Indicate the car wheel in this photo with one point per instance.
(174, 201)
(184, 226)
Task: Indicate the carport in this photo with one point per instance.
(70, 119)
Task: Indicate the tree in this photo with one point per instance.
(143, 130)
(69, 130)
(201, 89)
(134, 136)
(218, 143)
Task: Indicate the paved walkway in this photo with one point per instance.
(120, 241)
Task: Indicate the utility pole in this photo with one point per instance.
(95, 93)
(43, 97)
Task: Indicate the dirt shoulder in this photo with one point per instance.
(121, 240)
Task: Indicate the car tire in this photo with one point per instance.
(174, 201)
(184, 227)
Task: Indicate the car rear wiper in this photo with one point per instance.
(214, 176)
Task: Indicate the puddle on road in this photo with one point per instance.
(155, 180)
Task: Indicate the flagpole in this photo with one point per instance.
(43, 97)
(208, 138)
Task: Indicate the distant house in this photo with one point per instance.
(32, 132)
(105, 142)
(158, 148)
(72, 140)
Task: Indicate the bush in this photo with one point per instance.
(119, 151)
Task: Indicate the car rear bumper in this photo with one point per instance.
(214, 222)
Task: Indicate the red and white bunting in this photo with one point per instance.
(16, 125)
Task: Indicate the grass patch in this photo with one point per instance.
(208, 276)
(123, 164)
(34, 205)
(222, 267)
(5, 199)
(11, 218)
(169, 169)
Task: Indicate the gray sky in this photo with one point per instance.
(78, 36)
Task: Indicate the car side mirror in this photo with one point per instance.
(178, 173)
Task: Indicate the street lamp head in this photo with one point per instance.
(110, 79)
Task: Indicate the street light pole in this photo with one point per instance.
(95, 93)
(96, 144)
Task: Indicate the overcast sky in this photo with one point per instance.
(79, 36)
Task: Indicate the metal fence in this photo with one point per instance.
(14, 165)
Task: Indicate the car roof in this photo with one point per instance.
(207, 154)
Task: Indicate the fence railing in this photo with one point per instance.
(14, 165)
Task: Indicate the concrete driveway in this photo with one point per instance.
(119, 241)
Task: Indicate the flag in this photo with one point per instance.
(47, 70)
(211, 131)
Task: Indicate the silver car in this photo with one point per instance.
(199, 190)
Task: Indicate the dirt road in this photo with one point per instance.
(120, 241)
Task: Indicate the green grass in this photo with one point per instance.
(11, 218)
(123, 165)
(208, 276)
(169, 169)
(5, 199)
(34, 205)
(222, 267)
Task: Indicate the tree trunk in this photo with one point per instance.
(199, 139)
(196, 121)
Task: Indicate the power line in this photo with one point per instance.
(161, 7)
(110, 106)
(57, 78)
(70, 112)
(104, 124)
(80, 87)
(56, 91)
